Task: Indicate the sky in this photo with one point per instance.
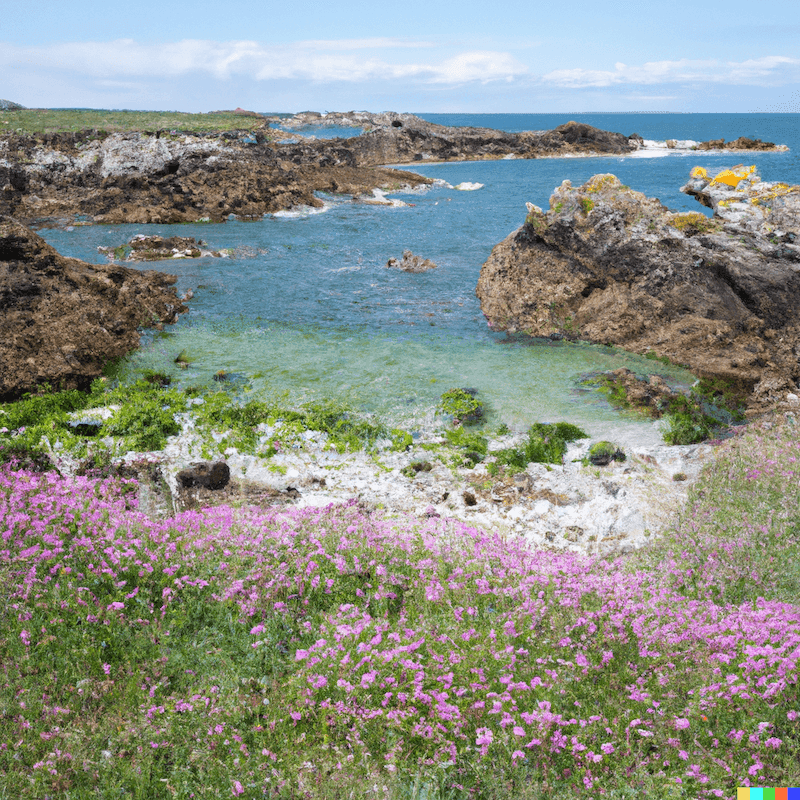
(492, 56)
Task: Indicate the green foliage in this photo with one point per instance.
(546, 444)
(463, 406)
(537, 221)
(653, 356)
(586, 204)
(711, 406)
(411, 470)
(147, 417)
(472, 445)
(24, 423)
(401, 440)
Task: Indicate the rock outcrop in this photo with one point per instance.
(61, 319)
(742, 143)
(170, 178)
(159, 248)
(608, 265)
(411, 263)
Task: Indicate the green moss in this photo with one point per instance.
(586, 204)
(472, 446)
(411, 470)
(603, 453)
(463, 406)
(653, 356)
(146, 417)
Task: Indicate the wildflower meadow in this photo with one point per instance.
(341, 652)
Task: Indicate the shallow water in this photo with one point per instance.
(307, 306)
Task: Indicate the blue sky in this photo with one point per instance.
(415, 55)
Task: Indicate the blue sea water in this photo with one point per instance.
(307, 307)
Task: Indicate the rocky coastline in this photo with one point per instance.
(62, 319)
(606, 264)
(168, 176)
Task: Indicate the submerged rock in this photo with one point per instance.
(62, 319)
(608, 265)
(158, 248)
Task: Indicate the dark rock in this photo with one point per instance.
(742, 143)
(62, 319)
(209, 475)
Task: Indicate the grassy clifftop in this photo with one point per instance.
(53, 120)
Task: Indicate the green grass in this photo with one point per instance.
(51, 120)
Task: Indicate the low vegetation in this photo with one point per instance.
(707, 411)
(54, 120)
(109, 421)
(463, 406)
(338, 653)
(693, 222)
(546, 444)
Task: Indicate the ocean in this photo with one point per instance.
(307, 308)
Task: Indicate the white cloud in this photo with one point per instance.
(319, 61)
(752, 71)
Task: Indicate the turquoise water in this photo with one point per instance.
(306, 307)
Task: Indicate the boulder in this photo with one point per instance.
(62, 320)
(411, 263)
(208, 475)
(608, 265)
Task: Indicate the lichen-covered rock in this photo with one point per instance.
(607, 264)
(62, 320)
(738, 196)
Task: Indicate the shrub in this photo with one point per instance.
(546, 444)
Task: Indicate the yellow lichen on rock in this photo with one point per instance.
(599, 182)
(730, 177)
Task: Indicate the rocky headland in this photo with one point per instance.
(608, 265)
(62, 319)
(171, 176)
